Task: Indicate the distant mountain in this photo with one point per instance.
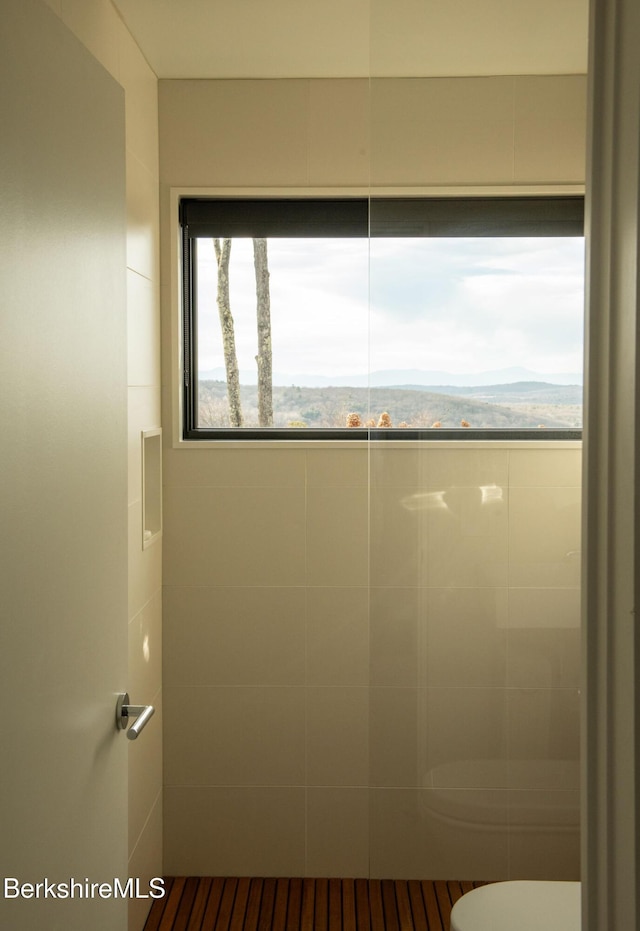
(517, 405)
(519, 392)
(401, 378)
(505, 376)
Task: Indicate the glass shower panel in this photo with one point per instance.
(473, 541)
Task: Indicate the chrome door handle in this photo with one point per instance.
(126, 712)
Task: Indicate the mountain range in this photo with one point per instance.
(403, 378)
(515, 405)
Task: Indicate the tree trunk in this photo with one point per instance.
(264, 357)
(223, 253)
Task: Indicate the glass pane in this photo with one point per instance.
(402, 332)
(319, 292)
(474, 565)
(482, 331)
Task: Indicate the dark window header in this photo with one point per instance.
(381, 217)
(313, 218)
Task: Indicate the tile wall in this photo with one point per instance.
(425, 725)
(370, 662)
(99, 27)
(474, 682)
(502, 130)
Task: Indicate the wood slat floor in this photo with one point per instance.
(243, 904)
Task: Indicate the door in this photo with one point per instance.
(63, 531)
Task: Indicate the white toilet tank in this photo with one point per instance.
(520, 905)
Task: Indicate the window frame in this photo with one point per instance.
(362, 216)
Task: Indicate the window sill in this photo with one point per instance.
(436, 438)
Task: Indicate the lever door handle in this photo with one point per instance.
(126, 713)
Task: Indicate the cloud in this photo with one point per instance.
(345, 306)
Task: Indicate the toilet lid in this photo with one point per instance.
(519, 906)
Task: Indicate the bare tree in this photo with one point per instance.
(223, 253)
(213, 412)
(264, 357)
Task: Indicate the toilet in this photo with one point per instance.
(519, 905)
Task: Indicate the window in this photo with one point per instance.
(410, 318)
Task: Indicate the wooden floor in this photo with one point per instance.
(232, 904)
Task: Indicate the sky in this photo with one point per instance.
(353, 306)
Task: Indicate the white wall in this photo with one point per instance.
(63, 493)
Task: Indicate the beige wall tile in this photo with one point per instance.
(549, 150)
(397, 645)
(476, 99)
(166, 394)
(548, 809)
(544, 835)
(550, 127)
(337, 536)
(474, 468)
(393, 466)
(544, 658)
(145, 861)
(141, 100)
(142, 219)
(145, 769)
(397, 728)
(439, 834)
(337, 467)
(465, 543)
(539, 608)
(466, 738)
(230, 831)
(545, 775)
(466, 637)
(339, 132)
(544, 638)
(143, 332)
(558, 96)
(96, 24)
(543, 738)
(234, 636)
(396, 520)
(234, 736)
(143, 414)
(145, 651)
(544, 537)
(442, 152)
(143, 368)
(337, 636)
(227, 124)
(337, 744)
(234, 536)
(338, 832)
(448, 130)
(482, 511)
(145, 566)
(220, 466)
(552, 467)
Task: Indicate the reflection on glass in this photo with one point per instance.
(491, 494)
